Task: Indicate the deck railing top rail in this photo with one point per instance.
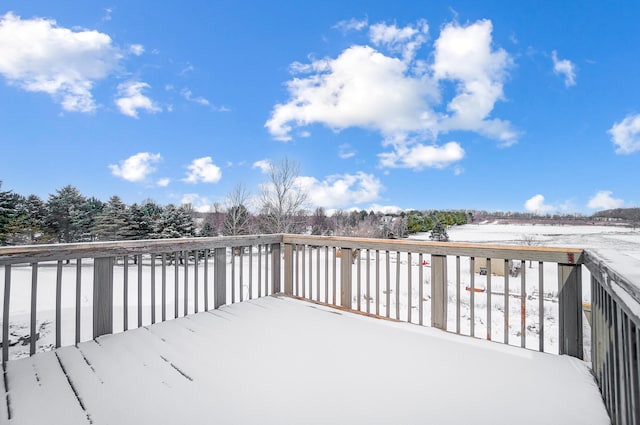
(529, 253)
(54, 252)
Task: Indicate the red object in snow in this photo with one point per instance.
(425, 263)
(468, 288)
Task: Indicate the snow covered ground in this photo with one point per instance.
(283, 361)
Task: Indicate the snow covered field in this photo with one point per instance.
(624, 242)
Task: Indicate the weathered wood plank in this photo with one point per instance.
(176, 282)
(439, 298)
(506, 301)
(489, 304)
(409, 287)
(185, 255)
(472, 295)
(139, 260)
(398, 285)
(345, 278)
(220, 277)
(164, 287)
(59, 304)
(541, 305)
(523, 304)
(458, 313)
(125, 293)
(387, 270)
(570, 306)
(153, 289)
(288, 269)
(535, 253)
(206, 279)
(103, 296)
(5, 313)
(420, 290)
(54, 252)
(78, 298)
(34, 305)
(275, 268)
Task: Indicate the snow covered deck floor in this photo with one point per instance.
(282, 361)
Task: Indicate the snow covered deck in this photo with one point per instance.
(284, 361)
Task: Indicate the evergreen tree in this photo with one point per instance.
(86, 218)
(174, 223)
(207, 230)
(112, 223)
(439, 233)
(64, 214)
(8, 204)
(30, 223)
(139, 224)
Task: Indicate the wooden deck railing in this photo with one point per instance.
(527, 296)
(615, 335)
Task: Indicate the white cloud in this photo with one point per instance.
(384, 209)
(360, 88)
(136, 49)
(626, 134)
(187, 94)
(264, 165)
(188, 68)
(130, 99)
(163, 182)
(137, 167)
(386, 89)
(199, 203)
(203, 170)
(419, 156)
(536, 204)
(565, 68)
(345, 151)
(604, 201)
(352, 24)
(39, 56)
(464, 54)
(341, 190)
(406, 40)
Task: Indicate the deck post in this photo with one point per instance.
(570, 315)
(275, 268)
(345, 277)
(288, 269)
(102, 296)
(219, 277)
(439, 291)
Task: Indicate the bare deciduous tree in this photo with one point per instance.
(238, 219)
(530, 240)
(282, 199)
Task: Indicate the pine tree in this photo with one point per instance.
(139, 224)
(439, 233)
(30, 224)
(8, 203)
(65, 214)
(174, 223)
(111, 224)
(86, 218)
(207, 230)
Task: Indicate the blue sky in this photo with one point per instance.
(410, 105)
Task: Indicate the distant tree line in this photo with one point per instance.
(69, 216)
